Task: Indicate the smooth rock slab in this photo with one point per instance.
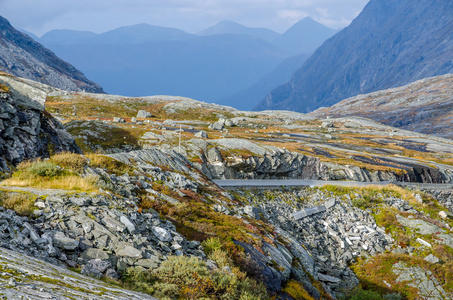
(424, 228)
(37, 280)
(308, 212)
(428, 286)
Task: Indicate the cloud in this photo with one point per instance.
(191, 15)
(292, 14)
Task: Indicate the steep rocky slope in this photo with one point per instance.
(26, 130)
(24, 57)
(424, 106)
(391, 43)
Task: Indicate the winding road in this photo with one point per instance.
(278, 183)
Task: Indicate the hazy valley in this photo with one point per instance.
(123, 195)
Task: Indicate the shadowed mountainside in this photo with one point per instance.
(24, 57)
(391, 43)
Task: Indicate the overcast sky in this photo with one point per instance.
(40, 16)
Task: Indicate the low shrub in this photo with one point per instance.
(211, 244)
(44, 169)
(182, 277)
(360, 294)
(68, 160)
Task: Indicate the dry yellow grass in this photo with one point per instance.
(71, 182)
(22, 203)
(58, 172)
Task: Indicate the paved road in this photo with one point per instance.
(275, 183)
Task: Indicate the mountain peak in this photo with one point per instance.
(305, 36)
(24, 57)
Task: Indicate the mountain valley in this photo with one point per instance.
(348, 196)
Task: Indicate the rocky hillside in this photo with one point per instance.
(225, 143)
(139, 209)
(424, 106)
(24, 57)
(151, 219)
(391, 43)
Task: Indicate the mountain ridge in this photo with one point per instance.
(225, 26)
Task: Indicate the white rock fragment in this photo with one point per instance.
(162, 234)
(423, 242)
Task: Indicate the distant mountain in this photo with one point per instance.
(22, 56)
(67, 37)
(423, 106)
(223, 60)
(32, 35)
(391, 43)
(304, 37)
(249, 97)
(135, 34)
(228, 27)
(204, 67)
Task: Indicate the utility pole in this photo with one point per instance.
(180, 134)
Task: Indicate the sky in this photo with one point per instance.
(41, 16)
